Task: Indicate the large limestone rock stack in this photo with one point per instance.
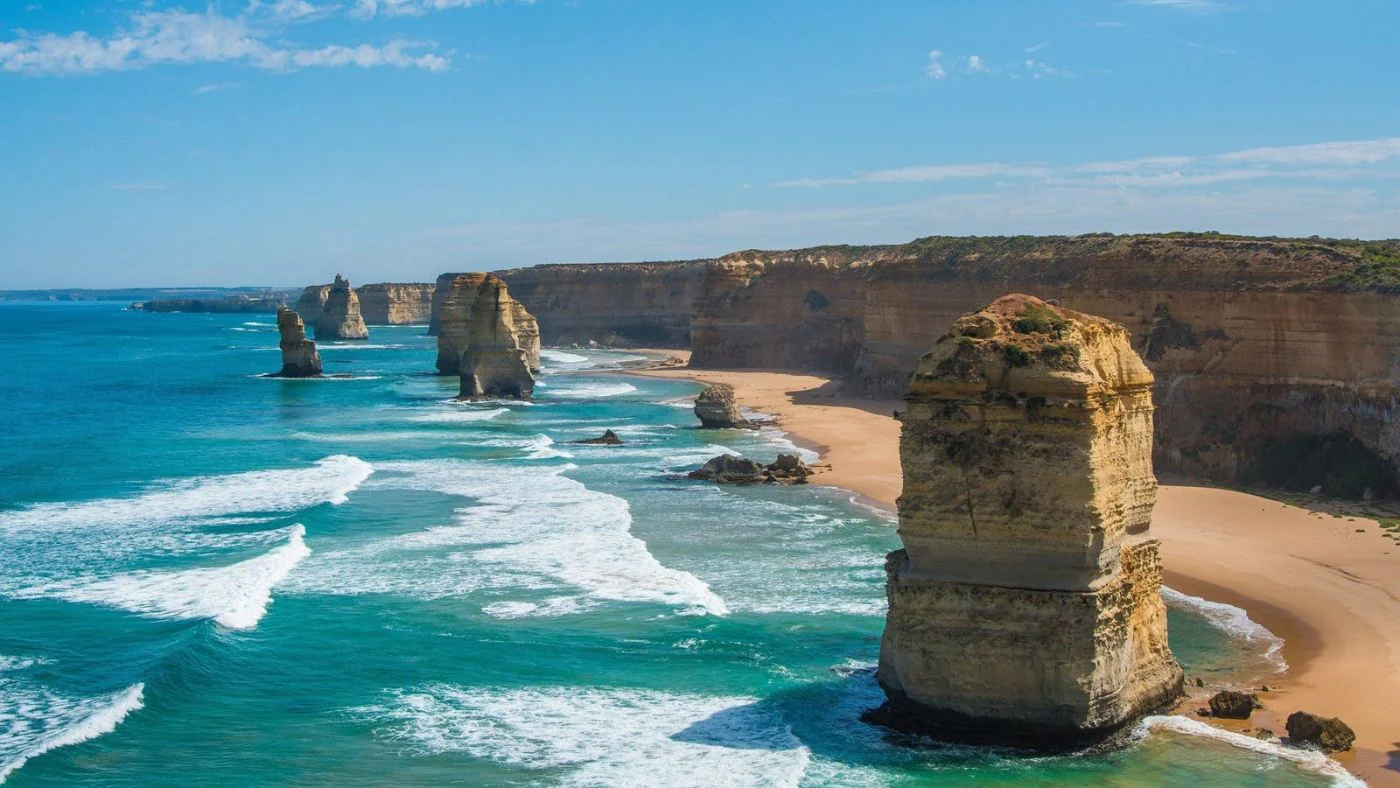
(340, 314)
(487, 338)
(299, 356)
(1025, 606)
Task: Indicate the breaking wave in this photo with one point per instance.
(35, 720)
(1231, 620)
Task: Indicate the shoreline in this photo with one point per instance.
(1327, 584)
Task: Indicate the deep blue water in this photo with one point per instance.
(213, 578)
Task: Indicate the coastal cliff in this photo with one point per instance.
(340, 314)
(388, 304)
(487, 338)
(1266, 351)
(1025, 606)
(311, 302)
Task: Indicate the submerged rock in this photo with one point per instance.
(299, 356)
(716, 409)
(728, 469)
(608, 438)
(488, 339)
(340, 314)
(1233, 705)
(1025, 607)
(1326, 733)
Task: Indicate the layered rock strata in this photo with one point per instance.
(487, 338)
(388, 304)
(716, 408)
(340, 316)
(299, 356)
(1025, 606)
(311, 302)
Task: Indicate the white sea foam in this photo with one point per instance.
(1311, 760)
(330, 480)
(560, 357)
(234, 596)
(263, 325)
(591, 390)
(536, 447)
(35, 720)
(549, 608)
(603, 737)
(1232, 620)
(780, 440)
(459, 416)
(536, 530)
(357, 346)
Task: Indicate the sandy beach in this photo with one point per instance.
(1328, 585)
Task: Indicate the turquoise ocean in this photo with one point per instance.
(213, 578)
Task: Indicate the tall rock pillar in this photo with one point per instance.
(487, 338)
(299, 356)
(340, 314)
(1025, 606)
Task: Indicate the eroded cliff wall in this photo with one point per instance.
(388, 304)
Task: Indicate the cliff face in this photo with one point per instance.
(615, 304)
(487, 338)
(340, 315)
(312, 301)
(1255, 343)
(385, 304)
(299, 356)
(1025, 605)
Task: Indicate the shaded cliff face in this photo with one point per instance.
(299, 356)
(1026, 603)
(487, 339)
(312, 301)
(1256, 344)
(385, 304)
(614, 304)
(340, 315)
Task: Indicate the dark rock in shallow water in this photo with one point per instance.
(716, 409)
(608, 438)
(299, 356)
(1326, 733)
(727, 469)
(1232, 705)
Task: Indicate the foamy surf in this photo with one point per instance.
(601, 736)
(560, 357)
(461, 416)
(1312, 760)
(590, 390)
(1232, 620)
(34, 720)
(234, 596)
(330, 480)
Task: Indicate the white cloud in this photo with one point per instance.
(161, 37)
(366, 9)
(1329, 160)
(214, 87)
(975, 64)
(1031, 50)
(935, 69)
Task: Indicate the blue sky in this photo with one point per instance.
(279, 141)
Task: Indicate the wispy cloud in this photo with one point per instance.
(177, 37)
(935, 69)
(1329, 160)
(214, 87)
(1031, 50)
(1028, 68)
(370, 8)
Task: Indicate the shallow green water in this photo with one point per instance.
(212, 578)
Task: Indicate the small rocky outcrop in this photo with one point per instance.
(728, 469)
(299, 356)
(1025, 607)
(717, 410)
(487, 339)
(340, 315)
(1233, 705)
(608, 438)
(1328, 734)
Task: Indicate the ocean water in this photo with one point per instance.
(212, 578)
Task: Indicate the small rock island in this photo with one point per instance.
(339, 317)
(488, 339)
(299, 356)
(716, 409)
(1025, 607)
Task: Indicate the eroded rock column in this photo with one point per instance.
(1025, 606)
(488, 339)
(299, 356)
(340, 316)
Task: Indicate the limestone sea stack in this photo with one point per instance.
(716, 409)
(1025, 607)
(299, 356)
(487, 339)
(340, 315)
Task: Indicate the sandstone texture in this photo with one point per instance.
(386, 304)
(1328, 734)
(299, 356)
(728, 469)
(487, 339)
(716, 409)
(1234, 705)
(340, 314)
(612, 304)
(311, 302)
(1025, 606)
